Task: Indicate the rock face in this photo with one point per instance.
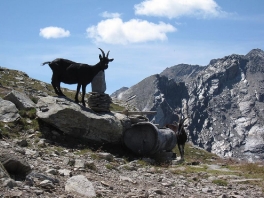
(154, 94)
(78, 121)
(223, 100)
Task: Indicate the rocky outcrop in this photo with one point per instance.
(182, 72)
(223, 100)
(157, 93)
(75, 120)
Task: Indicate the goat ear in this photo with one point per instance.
(100, 56)
(110, 60)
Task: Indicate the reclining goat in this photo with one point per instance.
(70, 72)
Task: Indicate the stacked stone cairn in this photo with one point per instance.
(99, 102)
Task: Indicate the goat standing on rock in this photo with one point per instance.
(181, 135)
(70, 72)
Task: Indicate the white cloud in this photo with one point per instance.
(177, 8)
(115, 31)
(54, 32)
(110, 15)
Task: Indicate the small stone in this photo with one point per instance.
(65, 172)
(79, 163)
(38, 192)
(10, 183)
(22, 143)
(52, 171)
(47, 184)
(106, 156)
(16, 194)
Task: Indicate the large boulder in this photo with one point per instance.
(21, 100)
(78, 121)
(8, 111)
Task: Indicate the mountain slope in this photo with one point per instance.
(224, 102)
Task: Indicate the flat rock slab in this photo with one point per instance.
(81, 122)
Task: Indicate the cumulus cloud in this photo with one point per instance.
(54, 32)
(115, 31)
(110, 15)
(178, 8)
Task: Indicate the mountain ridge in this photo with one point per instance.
(223, 100)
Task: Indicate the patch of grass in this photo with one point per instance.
(34, 99)
(196, 154)
(250, 171)
(94, 156)
(31, 113)
(142, 162)
(220, 182)
(91, 166)
(83, 151)
(116, 107)
(11, 129)
(109, 166)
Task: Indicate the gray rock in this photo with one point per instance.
(79, 163)
(52, 171)
(8, 111)
(21, 100)
(47, 184)
(106, 156)
(22, 143)
(41, 177)
(14, 165)
(10, 183)
(80, 185)
(80, 122)
(65, 172)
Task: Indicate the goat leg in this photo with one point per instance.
(83, 93)
(60, 92)
(55, 87)
(77, 93)
(181, 149)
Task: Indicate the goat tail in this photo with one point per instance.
(48, 62)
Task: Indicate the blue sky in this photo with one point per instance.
(143, 36)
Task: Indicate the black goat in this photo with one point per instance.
(70, 72)
(181, 135)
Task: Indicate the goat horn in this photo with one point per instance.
(102, 52)
(107, 54)
(182, 121)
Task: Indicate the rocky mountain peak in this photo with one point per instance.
(256, 60)
(223, 100)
